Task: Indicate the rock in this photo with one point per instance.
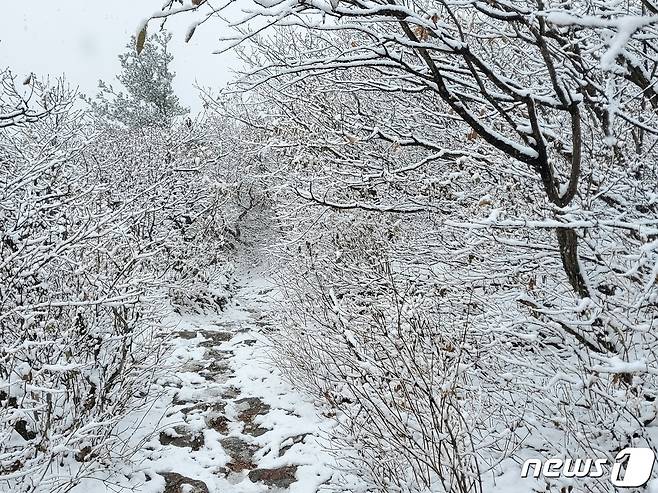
(228, 325)
(250, 407)
(263, 323)
(208, 393)
(241, 453)
(183, 438)
(231, 392)
(254, 430)
(217, 354)
(214, 338)
(176, 483)
(217, 368)
(192, 366)
(295, 439)
(281, 477)
(186, 334)
(213, 407)
(219, 423)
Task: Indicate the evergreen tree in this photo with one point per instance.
(149, 100)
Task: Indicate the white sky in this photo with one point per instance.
(82, 39)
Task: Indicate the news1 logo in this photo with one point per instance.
(632, 467)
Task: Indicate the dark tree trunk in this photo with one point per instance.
(567, 240)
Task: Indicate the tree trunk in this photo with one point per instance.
(567, 240)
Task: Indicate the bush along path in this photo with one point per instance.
(227, 422)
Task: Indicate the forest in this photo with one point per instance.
(411, 247)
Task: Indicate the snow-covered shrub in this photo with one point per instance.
(391, 358)
(398, 320)
(102, 229)
(400, 220)
(78, 345)
(184, 197)
(504, 153)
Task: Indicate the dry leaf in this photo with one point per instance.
(532, 284)
(622, 378)
(141, 39)
(421, 33)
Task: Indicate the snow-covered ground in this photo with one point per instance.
(225, 420)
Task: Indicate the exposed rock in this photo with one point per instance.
(217, 354)
(254, 430)
(216, 369)
(293, 440)
(214, 407)
(22, 429)
(230, 325)
(175, 483)
(219, 367)
(250, 407)
(241, 453)
(215, 338)
(201, 394)
(177, 401)
(281, 477)
(193, 366)
(183, 438)
(231, 392)
(186, 334)
(219, 423)
(264, 324)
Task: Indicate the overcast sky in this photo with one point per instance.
(82, 39)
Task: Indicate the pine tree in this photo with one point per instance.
(149, 100)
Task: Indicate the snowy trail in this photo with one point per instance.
(227, 421)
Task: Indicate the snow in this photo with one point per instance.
(425, 296)
(291, 414)
(616, 365)
(625, 27)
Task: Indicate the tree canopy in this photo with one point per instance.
(149, 99)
